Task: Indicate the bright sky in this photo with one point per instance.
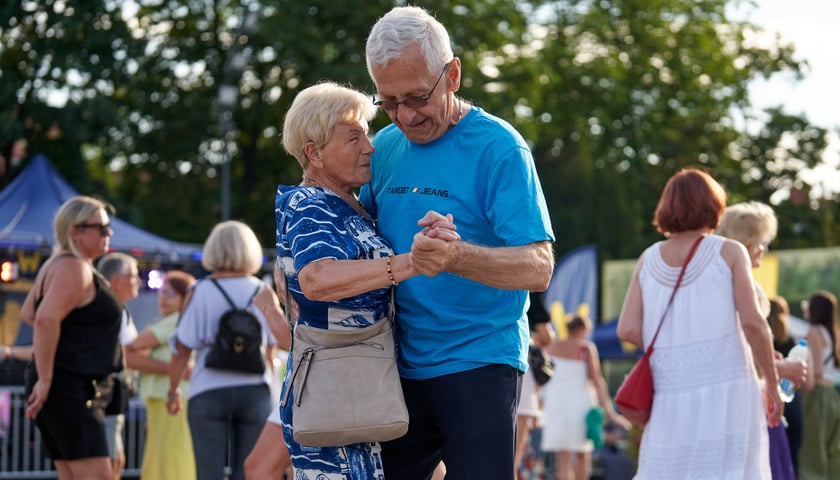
(811, 25)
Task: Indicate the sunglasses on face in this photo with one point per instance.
(411, 102)
(104, 228)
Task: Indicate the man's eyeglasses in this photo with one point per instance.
(104, 228)
(411, 102)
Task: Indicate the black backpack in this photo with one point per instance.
(238, 344)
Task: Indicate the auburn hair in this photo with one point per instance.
(691, 200)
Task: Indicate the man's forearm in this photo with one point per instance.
(527, 267)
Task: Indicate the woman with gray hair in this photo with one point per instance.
(76, 319)
(338, 269)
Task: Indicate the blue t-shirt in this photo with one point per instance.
(483, 173)
(313, 223)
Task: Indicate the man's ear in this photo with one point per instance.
(454, 74)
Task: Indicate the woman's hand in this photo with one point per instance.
(797, 372)
(173, 403)
(439, 226)
(37, 398)
(773, 406)
(620, 420)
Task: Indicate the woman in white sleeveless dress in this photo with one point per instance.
(709, 419)
(576, 386)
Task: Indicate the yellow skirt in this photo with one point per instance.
(168, 453)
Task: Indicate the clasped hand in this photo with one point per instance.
(435, 246)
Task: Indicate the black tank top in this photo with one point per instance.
(89, 340)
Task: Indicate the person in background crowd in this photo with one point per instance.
(708, 399)
(76, 319)
(528, 410)
(168, 450)
(575, 388)
(754, 224)
(463, 331)
(778, 320)
(613, 461)
(819, 456)
(11, 158)
(226, 408)
(121, 272)
(16, 352)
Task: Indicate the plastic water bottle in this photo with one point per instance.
(798, 353)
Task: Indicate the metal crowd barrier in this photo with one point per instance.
(22, 455)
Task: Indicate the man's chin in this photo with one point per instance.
(417, 137)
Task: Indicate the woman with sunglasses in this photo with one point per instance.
(76, 320)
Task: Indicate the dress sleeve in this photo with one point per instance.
(316, 232)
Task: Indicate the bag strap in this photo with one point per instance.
(227, 297)
(676, 286)
(289, 310)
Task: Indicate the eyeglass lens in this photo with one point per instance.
(411, 102)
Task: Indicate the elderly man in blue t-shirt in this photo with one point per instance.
(463, 329)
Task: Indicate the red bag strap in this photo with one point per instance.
(674, 292)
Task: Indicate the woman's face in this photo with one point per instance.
(346, 156)
(169, 300)
(93, 236)
(757, 253)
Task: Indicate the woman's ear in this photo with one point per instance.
(313, 153)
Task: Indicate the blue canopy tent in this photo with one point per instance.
(29, 203)
(608, 343)
(27, 208)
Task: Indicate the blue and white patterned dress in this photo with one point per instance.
(313, 223)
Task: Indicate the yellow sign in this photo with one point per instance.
(28, 264)
(767, 275)
(560, 318)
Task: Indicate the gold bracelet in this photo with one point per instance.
(390, 273)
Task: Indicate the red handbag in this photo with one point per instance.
(635, 395)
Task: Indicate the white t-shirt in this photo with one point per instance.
(199, 324)
(128, 330)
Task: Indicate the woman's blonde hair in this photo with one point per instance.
(73, 212)
(751, 223)
(315, 112)
(232, 247)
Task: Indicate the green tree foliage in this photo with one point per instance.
(614, 96)
(54, 50)
(619, 95)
